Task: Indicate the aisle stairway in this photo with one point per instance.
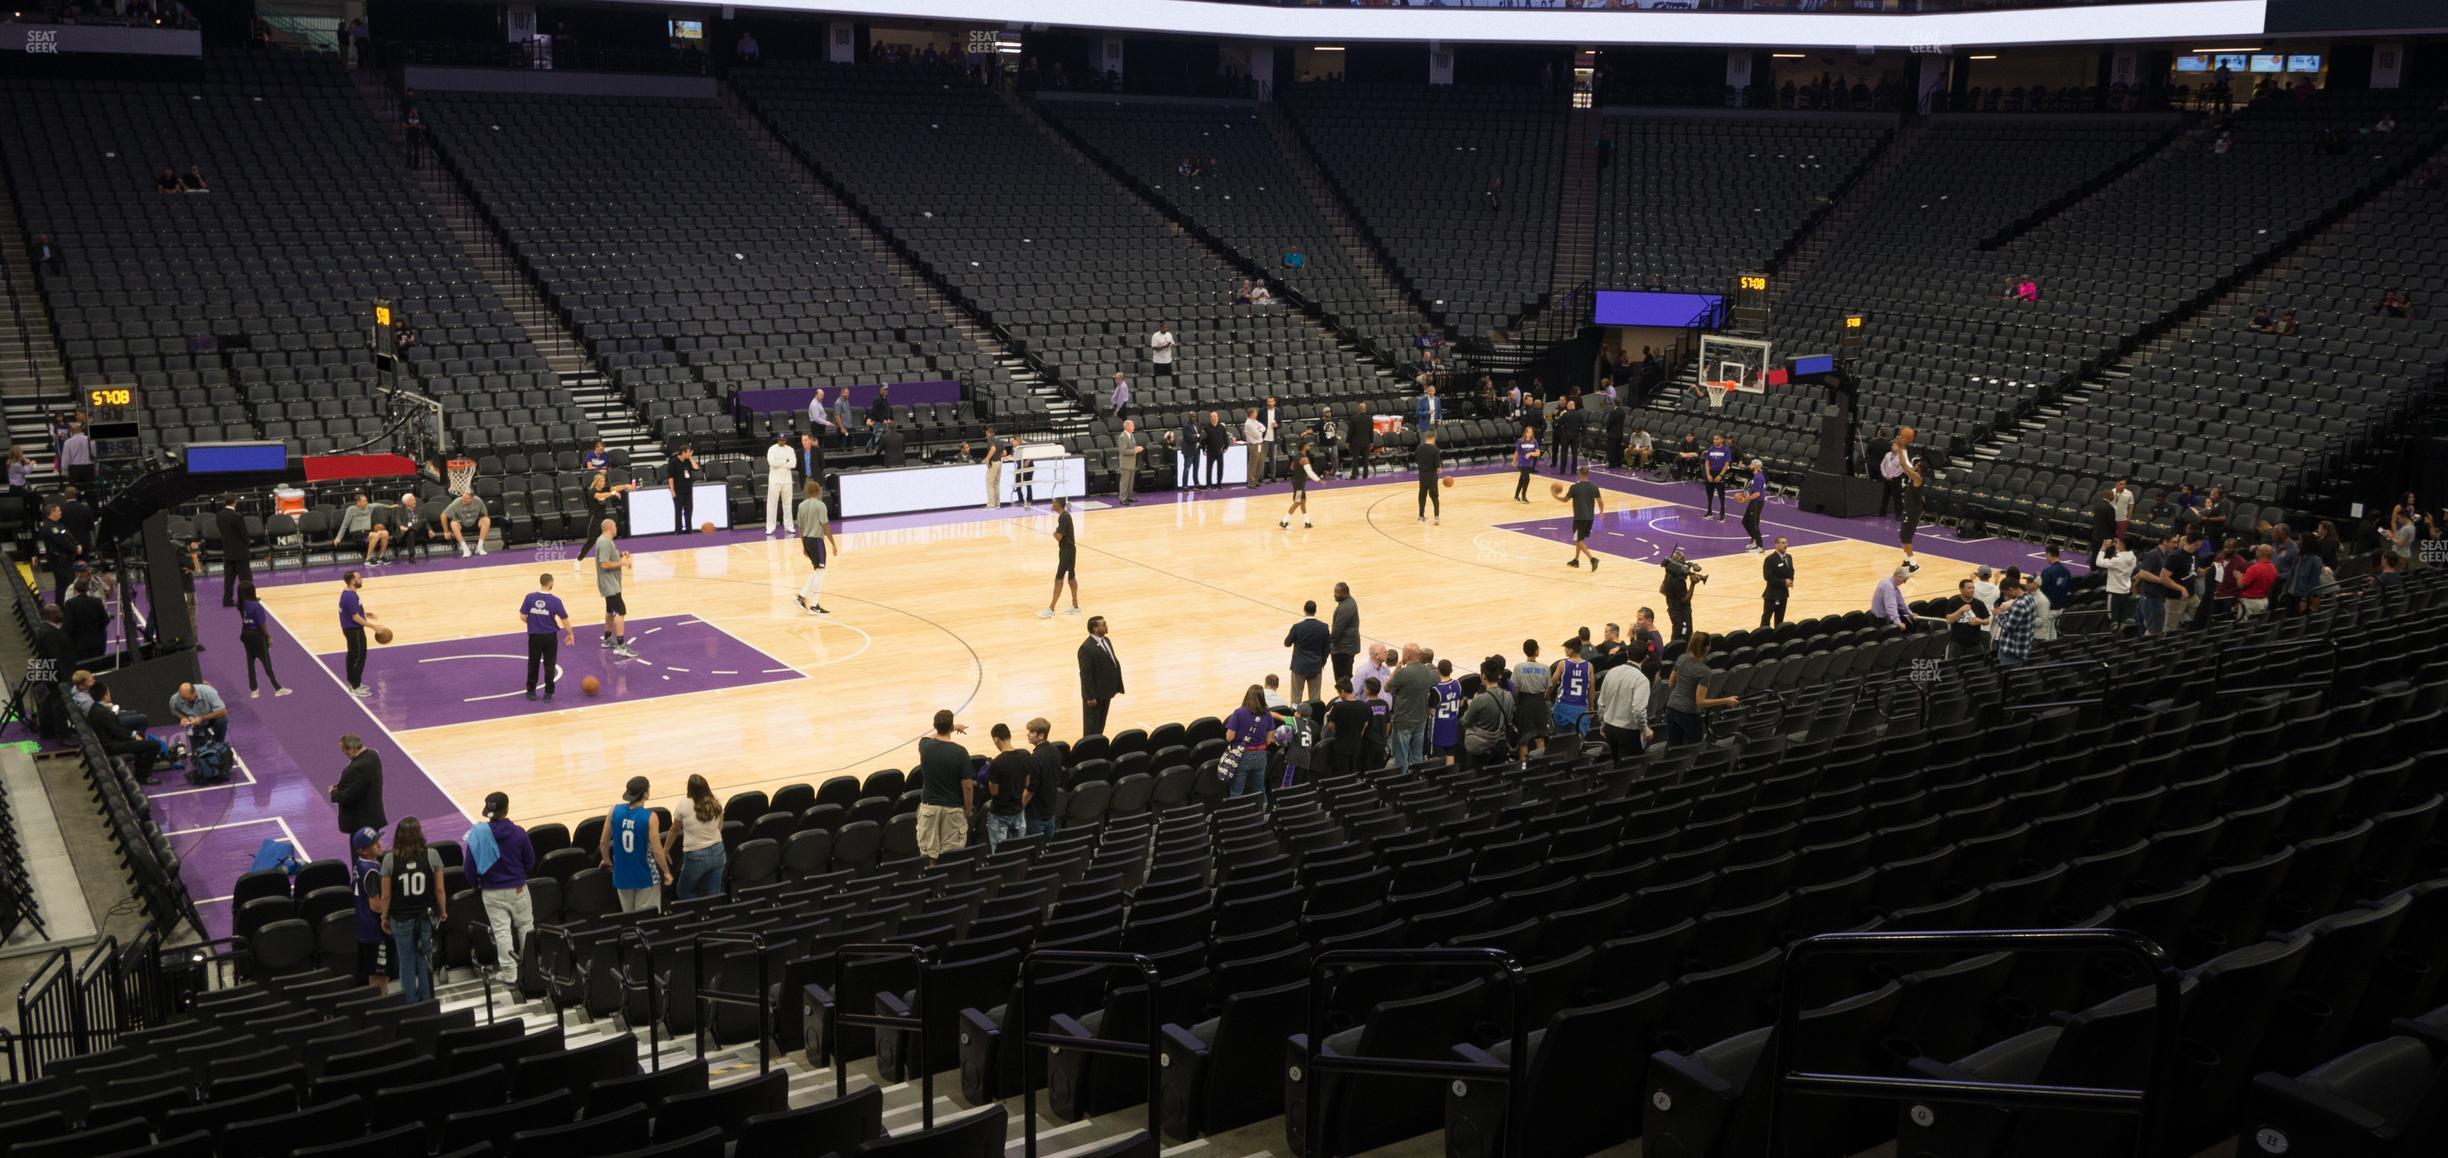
(1063, 142)
(1337, 217)
(33, 380)
(1068, 415)
(519, 292)
(810, 1085)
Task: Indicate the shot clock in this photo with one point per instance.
(384, 338)
(1751, 300)
(1856, 326)
(105, 403)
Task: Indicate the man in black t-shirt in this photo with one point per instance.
(1586, 507)
(1347, 726)
(681, 478)
(1428, 458)
(1043, 811)
(1007, 779)
(946, 791)
(1967, 623)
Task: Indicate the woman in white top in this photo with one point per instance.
(697, 831)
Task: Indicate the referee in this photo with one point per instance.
(1429, 458)
(545, 616)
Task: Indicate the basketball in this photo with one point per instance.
(590, 685)
(1556, 489)
(706, 527)
(382, 635)
(1448, 480)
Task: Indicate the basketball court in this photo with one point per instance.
(734, 681)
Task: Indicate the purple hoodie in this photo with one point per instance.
(517, 858)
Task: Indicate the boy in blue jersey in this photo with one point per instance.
(548, 627)
(632, 848)
(1571, 680)
(1445, 732)
(365, 885)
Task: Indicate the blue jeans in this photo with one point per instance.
(701, 872)
(2150, 614)
(412, 940)
(1045, 827)
(1249, 775)
(1407, 746)
(1000, 828)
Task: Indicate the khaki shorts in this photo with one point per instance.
(941, 827)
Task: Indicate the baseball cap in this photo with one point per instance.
(1982, 570)
(366, 837)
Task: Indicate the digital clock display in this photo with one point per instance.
(1754, 281)
(1853, 321)
(382, 315)
(109, 398)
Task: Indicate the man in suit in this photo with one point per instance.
(811, 459)
(1616, 414)
(406, 520)
(237, 551)
(359, 794)
(1214, 440)
(54, 658)
(1429, 410)
(1344, 645)
(1569, 424)
(86, 620)
(1309, 640)
(1100, 677)
(1187, 445)
(79, 516)
(120, 739)
(1363, 432)
(1126, 461)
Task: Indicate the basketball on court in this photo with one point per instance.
(1556, 489)
(382, 635)
(1448, 480)
(706, 528)
(590, 685)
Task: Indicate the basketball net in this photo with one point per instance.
(1717, 392)
(461, 475)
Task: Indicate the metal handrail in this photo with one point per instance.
(2107, 685)
(2144, 1102)
(762, 1000)
(916, 1021)
(1147, 1051)
(46, 1009)
(95, 980)
(1511, 1072)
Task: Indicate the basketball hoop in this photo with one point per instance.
(1717, 392)
(461, 475)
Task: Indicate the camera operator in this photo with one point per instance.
(1681, 576)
